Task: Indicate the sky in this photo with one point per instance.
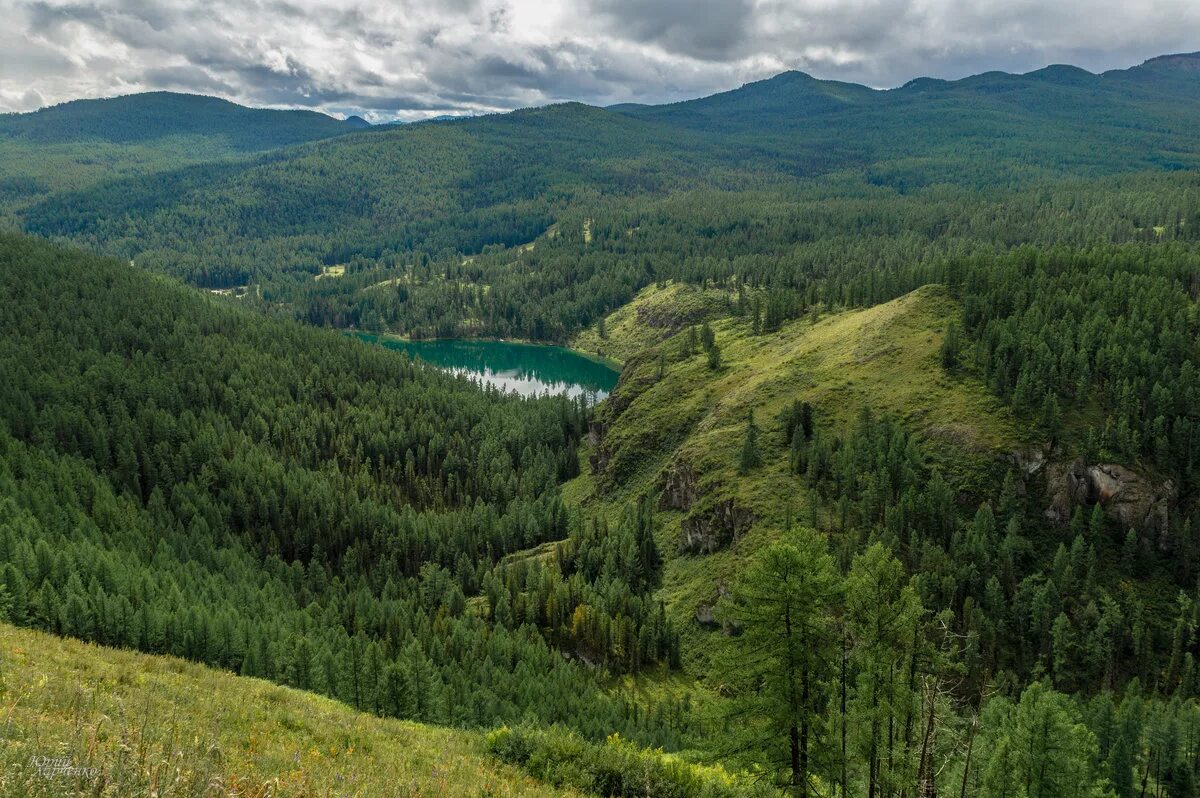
(412, 59)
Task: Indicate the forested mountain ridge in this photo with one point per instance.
(185, 477)
(401, 212)
(75, 145)
(138, 118)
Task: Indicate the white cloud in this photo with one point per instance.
(410, 58)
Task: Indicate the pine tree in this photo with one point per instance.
(1039, 748)
(714, 357)
(950, 347)
(750, 457)
(806, 420)
(882, 613)
(1050, 417)
(399, 699)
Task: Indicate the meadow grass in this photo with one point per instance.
(141, 725)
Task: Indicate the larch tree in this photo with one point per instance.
(780, 664)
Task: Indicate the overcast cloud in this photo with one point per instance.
(408, 60)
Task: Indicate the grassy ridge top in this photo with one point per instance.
(692, 420)
(161, 725)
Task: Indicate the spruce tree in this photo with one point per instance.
(714, 357)
(950, 347)
(750, 457)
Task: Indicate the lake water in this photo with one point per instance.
(526, 369)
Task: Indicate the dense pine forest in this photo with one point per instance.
(897, 494)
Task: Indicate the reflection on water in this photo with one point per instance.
(525, 369)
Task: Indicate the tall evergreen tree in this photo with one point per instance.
(779, 665)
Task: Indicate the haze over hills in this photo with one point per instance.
(897, 493)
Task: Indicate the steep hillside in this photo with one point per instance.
(676, 430)
(183, 476)
(134, 724)
(678, 436)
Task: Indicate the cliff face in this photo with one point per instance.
(1128, 498)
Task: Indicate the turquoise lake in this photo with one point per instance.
(526, 369)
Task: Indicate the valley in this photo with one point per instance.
(802, 439)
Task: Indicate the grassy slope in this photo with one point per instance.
(159, 725)
(884, 358)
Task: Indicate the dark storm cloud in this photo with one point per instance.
(707, 29)
(389, 58)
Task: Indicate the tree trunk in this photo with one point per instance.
(845, 657)
(967, 764)
(804, 699)
(927, 788)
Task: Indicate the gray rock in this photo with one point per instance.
(679, 490)
(1129, 498)
(714, 527)
(706, 617)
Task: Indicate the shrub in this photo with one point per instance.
(616, 768)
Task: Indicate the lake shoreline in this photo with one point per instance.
(595, 357)
(523, 367)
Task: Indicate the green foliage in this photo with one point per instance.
(750, 458)
(614, 768)
(1038, 747)
(714, 357)
(950, 348)
(778, 669)
(595, 599)
(180, 476)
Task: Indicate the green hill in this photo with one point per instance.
(142, 118)
(162, 726)
(77, 144)
(675, 428)
(677, 436)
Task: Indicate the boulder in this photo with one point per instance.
(706, 617)
(1029, 461)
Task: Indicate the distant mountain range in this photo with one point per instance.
(497, 179)
(790, 96)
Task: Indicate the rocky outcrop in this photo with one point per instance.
(714, 527)
(1128, 498)
(708, 618)
(679, 491)
(1029, 461)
